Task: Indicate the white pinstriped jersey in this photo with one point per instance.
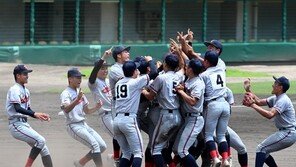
(164, 87)
(101, 91)
(77, 114)
(115, 74)
(128, 91)
(221, 64)
(286, 113)
(17, 94)
(195, 87)
(215, 81)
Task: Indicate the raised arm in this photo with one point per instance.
(98, 64)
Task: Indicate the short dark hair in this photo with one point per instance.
(212, 57)
(129, 68)
(172, 61)
(196, 66)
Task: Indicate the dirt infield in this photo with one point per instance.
(46, 80)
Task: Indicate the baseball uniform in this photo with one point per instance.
(77, 128)
(126, 130)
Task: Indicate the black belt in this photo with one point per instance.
(21, 119)
(287, 128)
(170, 111)
(114, 98)
(125, 113)
(193, 114)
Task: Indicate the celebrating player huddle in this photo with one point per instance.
(182, 103)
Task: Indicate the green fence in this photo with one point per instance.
(87, 54)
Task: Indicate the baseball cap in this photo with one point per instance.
(129, 67)
(118, 49)
(143, 64)
(172, 61)
(196, 66)
(74, 72)
(215, 43)
(283, 81)
(212, 57)
(21, 68)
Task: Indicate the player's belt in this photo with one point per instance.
(193, 114)
(124, 113)
(288, 128)
(17, 119)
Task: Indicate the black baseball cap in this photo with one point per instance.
(129, 67)
(118, 49)
(20, 69)
(74, 72)
(212, 57)
(283, 81)
(215, 43)
(143, 64)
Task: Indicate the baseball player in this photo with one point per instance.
(146, 118)
(192, 94)
(100, 89)
(120, 54)
(217, 110)
(163, 87)
(234, 140)
(18, 107)
(75, 105)
(126, 130)
(283, 112)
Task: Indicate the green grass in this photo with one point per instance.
(86, 71)
(234, 72)
(258, 88)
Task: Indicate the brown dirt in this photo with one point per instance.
(45, 81)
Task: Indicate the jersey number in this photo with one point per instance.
(121, 91)
(219, 80)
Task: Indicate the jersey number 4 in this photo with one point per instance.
(218, 80)
(121, 91)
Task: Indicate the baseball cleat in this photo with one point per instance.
(216, 162)
(225, 163)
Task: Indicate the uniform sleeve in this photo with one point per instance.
(281, 105)
(271, 101)
(142, 81)
(65, 98)
(115, 74)
(13, 96)
(156, 84)
(197, 91)
(93, 86)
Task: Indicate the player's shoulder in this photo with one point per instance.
(15, 87)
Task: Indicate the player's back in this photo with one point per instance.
(128, 91)
(215, 83)
(164, 85)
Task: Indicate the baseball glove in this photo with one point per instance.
(248, 100)
(247, 85)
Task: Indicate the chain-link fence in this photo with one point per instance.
(64, 22)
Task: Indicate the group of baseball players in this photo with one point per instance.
(181, 103)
